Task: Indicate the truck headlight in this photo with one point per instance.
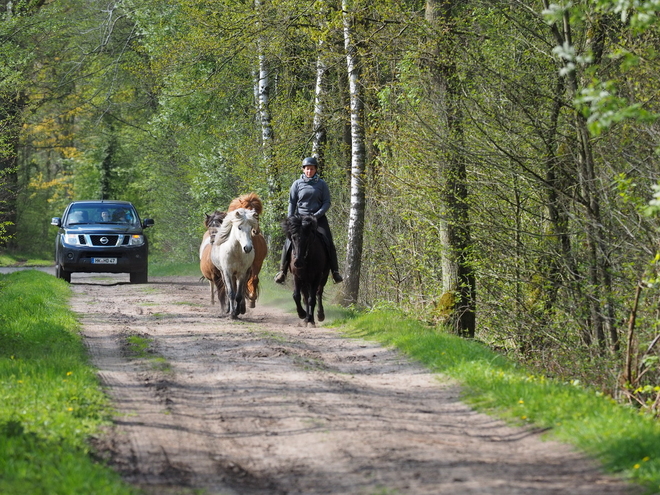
(136, 240)
(71, 239)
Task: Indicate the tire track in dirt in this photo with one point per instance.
(262, 406)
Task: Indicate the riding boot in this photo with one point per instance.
(280, 278)
(334, 264)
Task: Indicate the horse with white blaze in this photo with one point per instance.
(233, 253)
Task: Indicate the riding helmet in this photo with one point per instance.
(310, 161)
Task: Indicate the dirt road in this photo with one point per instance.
(262, 406)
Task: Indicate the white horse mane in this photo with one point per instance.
(241, 215)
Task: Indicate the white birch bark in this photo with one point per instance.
(358, 160)
(263, 87)
(318, 143)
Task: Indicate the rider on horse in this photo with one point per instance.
(310, 195)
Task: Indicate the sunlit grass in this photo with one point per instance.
(9, 259)
(168, 269)
(50, 400)
(623, 439)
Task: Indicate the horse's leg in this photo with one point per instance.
(250, 288)
(311, 304)
(221, 293)
(319, 297)
(296, 297)
(240, 296)
(230, 291)
(253, 290)
(260, 252)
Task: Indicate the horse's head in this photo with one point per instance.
(241, 225)
(301, 231)
(215, 219)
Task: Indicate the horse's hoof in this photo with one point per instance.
(320, 317)
(310, 324)
(234, 317)
(252, 304)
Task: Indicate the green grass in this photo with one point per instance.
(50, 400)
(10, 259)
(166, 269)
(626, 441)
(142, 348)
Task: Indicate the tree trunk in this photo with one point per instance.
(458, 279)
(263, 107)
(320, 134)
(320, 131)
(358, 160)
(598, 271)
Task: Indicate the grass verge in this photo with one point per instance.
(12, 259)
(165, 269)
(626, 441)
(50, 400)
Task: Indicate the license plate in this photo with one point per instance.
(104, 261)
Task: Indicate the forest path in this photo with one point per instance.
(263, 406)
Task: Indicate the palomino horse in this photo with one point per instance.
(209, 271)
(232, 253)
(251, 201)
(309, 266)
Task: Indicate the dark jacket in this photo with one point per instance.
(309, 197)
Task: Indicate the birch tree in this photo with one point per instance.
(320, 131)
(358, 160)
(263, 88)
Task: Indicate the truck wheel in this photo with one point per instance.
(63, 274)
(139, 277)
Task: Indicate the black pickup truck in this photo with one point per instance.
(101, 236)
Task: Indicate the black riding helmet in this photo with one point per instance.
(310, 161)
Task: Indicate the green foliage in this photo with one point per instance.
(50, 400)
(162, 113)
(653, 207)
(12, 259)
(624, 440)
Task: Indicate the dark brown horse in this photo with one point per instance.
(309, 266)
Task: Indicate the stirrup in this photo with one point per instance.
(280, 278)
(337, 277)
